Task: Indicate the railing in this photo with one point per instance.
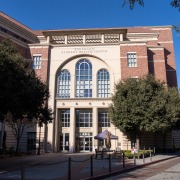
(87, 39)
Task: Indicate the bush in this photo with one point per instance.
(129, 154)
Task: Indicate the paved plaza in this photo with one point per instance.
(58, 166)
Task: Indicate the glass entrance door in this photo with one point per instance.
(64, 142)
(85, 142)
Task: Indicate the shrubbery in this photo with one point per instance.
(129, 155)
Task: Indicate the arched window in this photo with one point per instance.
(64, 84)
(103, 83)
(83, 78)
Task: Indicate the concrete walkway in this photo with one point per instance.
(56, 166)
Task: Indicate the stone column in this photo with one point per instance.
(102, 38)
(72, 133)
(48, 39)
(95, 127)
(121, 37)
(65, 39)
(56, 141)
(84, 39)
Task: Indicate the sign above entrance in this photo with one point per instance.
(84, 50)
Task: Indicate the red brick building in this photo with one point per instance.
(81, 67)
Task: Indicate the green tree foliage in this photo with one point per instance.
(11, 74)
(174, 3)
(133, 2)
(144, 105)
(23, 96)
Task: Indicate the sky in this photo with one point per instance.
(72, 14)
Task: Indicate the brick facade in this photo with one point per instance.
(106, 49)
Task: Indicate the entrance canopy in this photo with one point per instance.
(103, 135)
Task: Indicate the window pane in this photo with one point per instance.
(103, 120)
(64, 84)
(31, 141)
(83, 118)
(103, 83)
(36, 62)
(132, 60)
(84, 73)
(65, 117)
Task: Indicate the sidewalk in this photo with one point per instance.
(54, 166)
(117, 168)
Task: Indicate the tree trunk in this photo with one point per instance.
(138, 141)
(17, 146)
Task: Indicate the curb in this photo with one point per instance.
(129, 169)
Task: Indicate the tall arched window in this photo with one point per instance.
(103, 83)
(64, 84)
(83, 78)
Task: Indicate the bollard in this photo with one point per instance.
(143, 157)
(134, 157)
(150, 156)
(109, 162)
(123, 160)
(69, 169)
(91, 166)
(22, 171)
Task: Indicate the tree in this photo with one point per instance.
(144, 105)
(22, 94)
(44, 116)
(12, 71)
(174, 3)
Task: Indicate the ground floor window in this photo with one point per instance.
(31, 141)
(64, 142)
(65, 118)
(84, 118)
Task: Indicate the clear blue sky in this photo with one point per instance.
(65, 14)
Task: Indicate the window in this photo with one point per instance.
(64, 84)
(3, 30)
(65, 117)
(103, 83)
(103, 119)
(36, 62)
(31, 141)
(83, 118)
(132, 61)
(83, 79)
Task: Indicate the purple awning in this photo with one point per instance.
(102, 135)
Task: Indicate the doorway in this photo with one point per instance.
(64, 142)
(84, 142)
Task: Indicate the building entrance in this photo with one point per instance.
(84, 142)
(64, 142)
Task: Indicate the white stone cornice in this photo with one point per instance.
(83, 103)
(155, 48)
(38, 45)
(82, 100)
(133, 43)
(159, 60)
